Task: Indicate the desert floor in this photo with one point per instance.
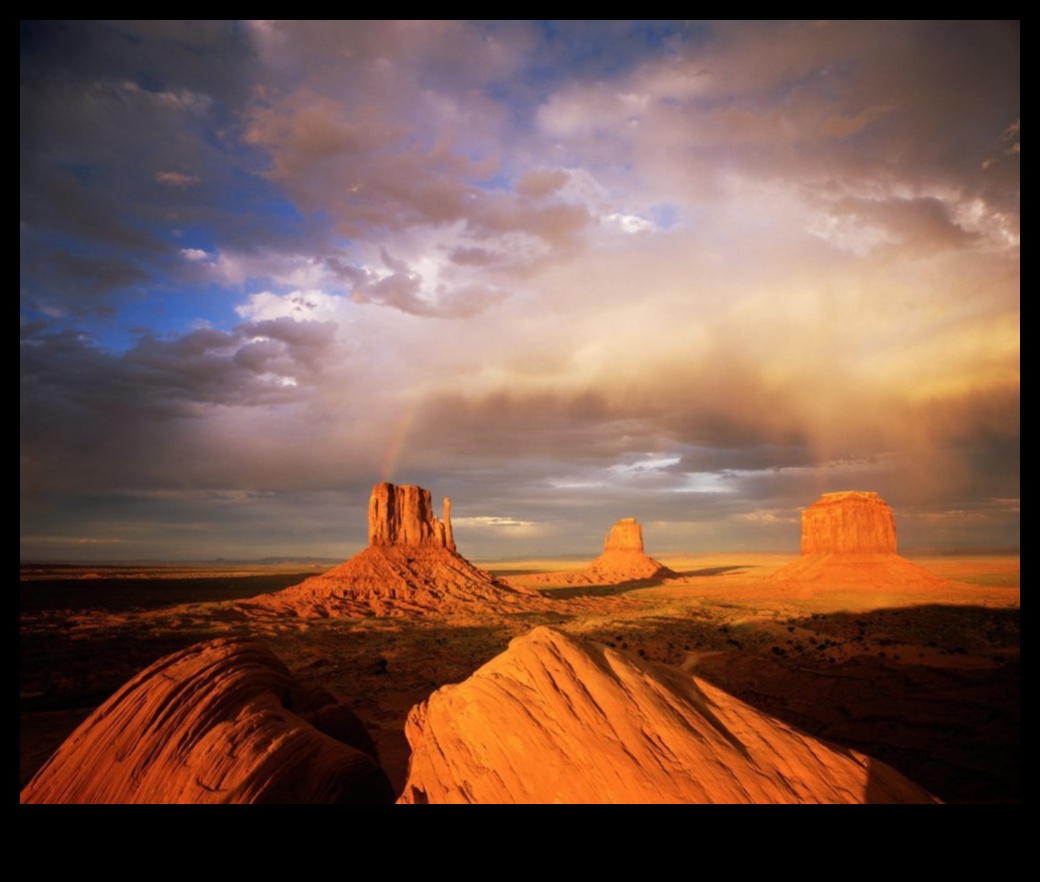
(926, 679)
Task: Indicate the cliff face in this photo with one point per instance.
(219, 722)
(850, 522)
(555, 719)
(625, 535)
(404, 516)
(849, 542)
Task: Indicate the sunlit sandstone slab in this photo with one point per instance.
(410, 567)
(623, 560)
(219, 722)
(558, 719)
(849, 541)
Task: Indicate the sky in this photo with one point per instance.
(695, 273)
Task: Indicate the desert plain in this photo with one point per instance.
(925, 677)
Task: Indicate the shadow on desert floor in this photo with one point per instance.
(932, 690)
(715, 571)
(605, 590)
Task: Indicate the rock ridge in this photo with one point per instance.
(556, 719)
(218, 722)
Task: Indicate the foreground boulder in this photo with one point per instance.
(623, 560)
(410, 568)
(558, 719)
(219, 722)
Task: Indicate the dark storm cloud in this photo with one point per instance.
(174, 377)
(128, 143)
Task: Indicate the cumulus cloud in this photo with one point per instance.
(398, 286)
(313, 304)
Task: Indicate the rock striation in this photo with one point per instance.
(557, 719)
(623, 560)
(404, 516)
(849, 522)
(849, 541)
(625, 535)
(219, 722)
(411, 567)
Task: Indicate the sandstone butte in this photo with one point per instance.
(623, 560)
(219, 722)
(555, 719)
(410, 567)
(849, 541)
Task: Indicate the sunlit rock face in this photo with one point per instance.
(625, 535)
(849, 542)
(219, 722)
(558, 719)
(404, 516)
(850, 522)
(411, 567)
(623, 560)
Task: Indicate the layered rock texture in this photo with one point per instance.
(404, 516)
(557, 719)
(220, 722)
(850, 522)
(410, 567)
(623, 560)
(625, 535)
(849, 540)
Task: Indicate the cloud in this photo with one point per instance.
(645, 466)
(405, 290)
(692, 272)
(313, 304)
(176, 179)
(492, 521)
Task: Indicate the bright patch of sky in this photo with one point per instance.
(650, 465)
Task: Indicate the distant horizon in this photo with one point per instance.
(286, 560)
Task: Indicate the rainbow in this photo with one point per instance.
(396, 445)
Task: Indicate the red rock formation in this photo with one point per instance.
(411, 567)
(555, 719)
(849, 541)
(850, 522)
(219, 722)
(404, 516)
(625, 535)
(623, 560)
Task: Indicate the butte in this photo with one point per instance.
(849, 541)
(623, 560)
(410, 567)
